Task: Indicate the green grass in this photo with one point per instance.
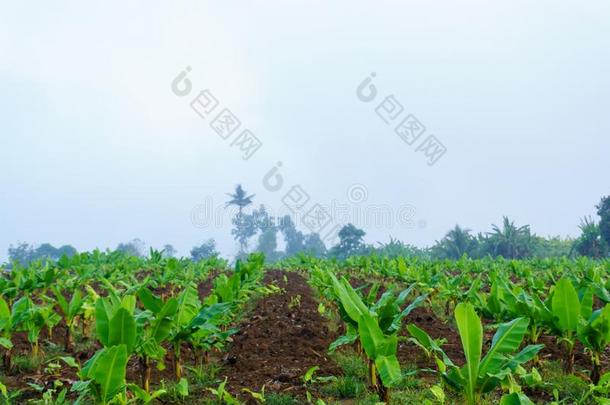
(368, 399)
(344, 387)
(352, 364)
(26, 363)
(570, 387)
(280, 399)
(203, 376)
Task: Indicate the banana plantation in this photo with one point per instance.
(110, 328)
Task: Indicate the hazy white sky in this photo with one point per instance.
(96, 149)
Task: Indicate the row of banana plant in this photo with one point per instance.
(566, 311)
(557, 296)
(561, 298)
(131, 308)
(375, 325)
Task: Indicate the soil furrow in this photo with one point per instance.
(280, 340)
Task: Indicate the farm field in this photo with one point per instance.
(108, 328)
(305, 203)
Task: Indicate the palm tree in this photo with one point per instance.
(456, 243)
(511, 242)
(590, 243)
(459, 241)
(239, 198)
(243, 227)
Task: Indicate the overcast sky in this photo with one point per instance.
(97, 149)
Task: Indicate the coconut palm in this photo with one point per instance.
(510, 241)
(591, 242)
(244, 227)
(456, 243)
(239, 198)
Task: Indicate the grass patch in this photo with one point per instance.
(352, 364)
(26, 363)
(369, 399)
(280, 399)
(344, 387)
(570, 387)
(203, 376)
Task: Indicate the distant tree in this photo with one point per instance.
(204, 251)
(590, 243)
(456, 243)
(510, 241)
(267, 229)
(313, 245)
(136, 247)
(552, 247)
(25, 253)
(261, 219)
(293, 238)
(169, 251)
(267, 244)
(45, 250)
(67, 250)
(603, 210)
(397, 248)
(243, 228)
(239, 198)
(484, 246)
(351, 242)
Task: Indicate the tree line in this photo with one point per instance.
(258, 231)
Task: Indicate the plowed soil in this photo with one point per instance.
(280, 340)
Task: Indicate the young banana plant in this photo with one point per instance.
(116, 329)
(567, 311)
(505, 302)
(482, 374)
(32, 318)
(6, 333)
(432, 348)
(192, 320)
(594, 334)
(532, 307)
(376, 328)
(70, 309)
(153, 328)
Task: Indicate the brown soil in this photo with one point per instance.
(205, 287)
(554, 351)
(276, 345)
(424, 318)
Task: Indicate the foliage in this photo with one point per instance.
(351, 242)
(136, 248)
(481, 374)
(204, 251)
(456, 243)
(603, 210)
(591, 243)
(244, 228)
(24, 253)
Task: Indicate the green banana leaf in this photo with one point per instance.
(507, 339)
(565, 305)
(122, 330)
(150, 301)
(164, 319)
(109, 371)
(389, 370)
(471, 334)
